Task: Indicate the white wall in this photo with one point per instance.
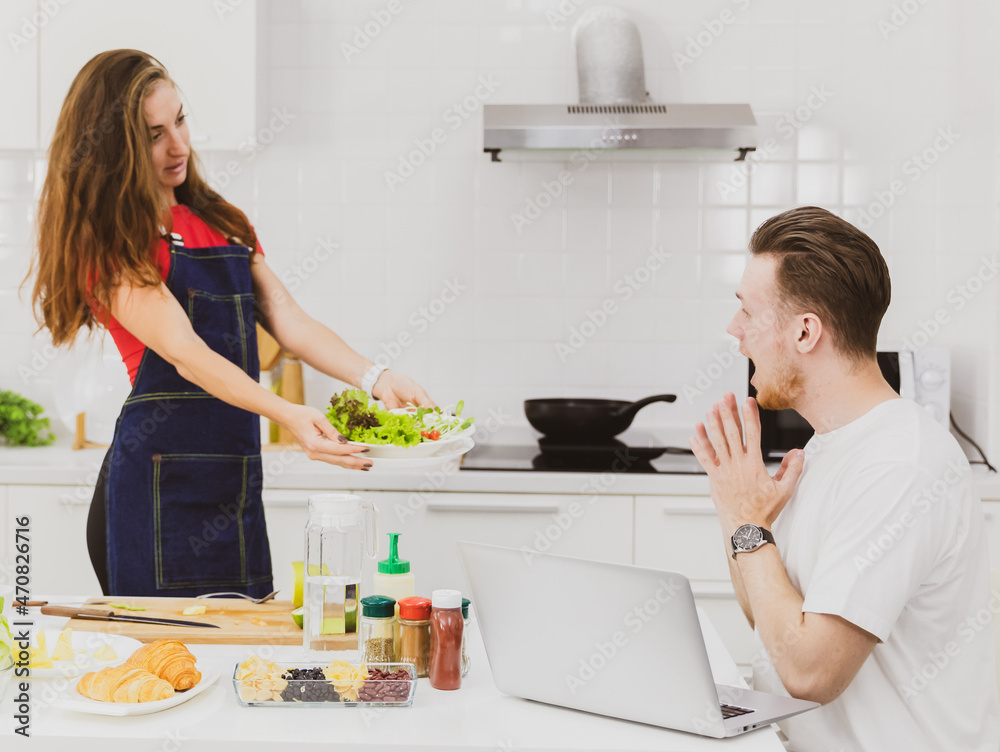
(848, 94)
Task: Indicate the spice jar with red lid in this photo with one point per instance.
(446, 639)
(415, 633)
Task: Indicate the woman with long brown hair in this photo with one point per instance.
(130, 237)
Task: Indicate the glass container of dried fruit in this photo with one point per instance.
(378, 620)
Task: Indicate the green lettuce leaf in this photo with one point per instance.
(358, 419)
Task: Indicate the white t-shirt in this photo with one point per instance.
(885, 530)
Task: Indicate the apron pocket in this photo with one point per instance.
(226, 324)
(202, 504)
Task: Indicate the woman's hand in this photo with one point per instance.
(321, 441)
(396, 390)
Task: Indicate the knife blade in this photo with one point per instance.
(98, 614)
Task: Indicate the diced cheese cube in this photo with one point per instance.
(105, 653)
(64, 646)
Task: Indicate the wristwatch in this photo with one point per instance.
(370, 377)
(750, 538)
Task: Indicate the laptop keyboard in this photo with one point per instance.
(731, 711)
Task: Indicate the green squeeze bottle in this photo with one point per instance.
(394, 580)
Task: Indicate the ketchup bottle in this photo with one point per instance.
(446, 639)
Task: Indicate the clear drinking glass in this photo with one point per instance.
(342, 530)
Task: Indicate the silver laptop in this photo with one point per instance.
(612, 639)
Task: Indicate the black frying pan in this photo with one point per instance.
(585, 420)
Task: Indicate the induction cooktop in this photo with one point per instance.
(640, 455)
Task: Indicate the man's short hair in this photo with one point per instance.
(829, 267)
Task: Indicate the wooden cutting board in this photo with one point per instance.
(241, 622)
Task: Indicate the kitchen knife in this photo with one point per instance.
(102, 615)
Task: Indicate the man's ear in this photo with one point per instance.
(810, 329)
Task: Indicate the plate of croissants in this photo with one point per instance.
(157, 676)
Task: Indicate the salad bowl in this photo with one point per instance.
(426, 448)
(405, 433)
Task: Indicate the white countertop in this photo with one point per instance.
(292, 470)
(476, 717)
(283, 469)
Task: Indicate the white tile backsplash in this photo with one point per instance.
(16, 176)
(15, 222)
(819, 184)
(633, 184)
(842, 112)
(724, 229)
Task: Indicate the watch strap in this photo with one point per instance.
(370, 377)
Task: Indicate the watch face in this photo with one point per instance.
(747, 537)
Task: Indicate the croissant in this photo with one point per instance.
(124, 683)
(170, 660)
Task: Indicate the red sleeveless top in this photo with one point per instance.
(196, 234)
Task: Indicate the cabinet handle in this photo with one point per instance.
(285, 502)
(690, 507)
(491, 506)
(715, 590)
(286, 498)
(75, 501)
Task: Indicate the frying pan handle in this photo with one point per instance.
(631, 410)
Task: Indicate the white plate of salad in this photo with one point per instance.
(447, 460)
(406, 433)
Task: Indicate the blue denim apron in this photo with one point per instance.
(183, 492)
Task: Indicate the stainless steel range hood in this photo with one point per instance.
(619, 126)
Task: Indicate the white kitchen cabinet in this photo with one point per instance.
(60, 562)
(286, 513)
(682, 534)
(596, 527)
(20, 25)
(719, 602)
(209, 49)
(991, 512)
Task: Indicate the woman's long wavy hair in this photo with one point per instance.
(101, 208)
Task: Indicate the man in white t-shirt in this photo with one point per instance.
(874, 598)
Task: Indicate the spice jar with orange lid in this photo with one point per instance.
(415, 633)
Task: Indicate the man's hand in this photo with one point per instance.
(742, 489)
(396, 390)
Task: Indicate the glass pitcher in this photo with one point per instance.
(341, 531)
